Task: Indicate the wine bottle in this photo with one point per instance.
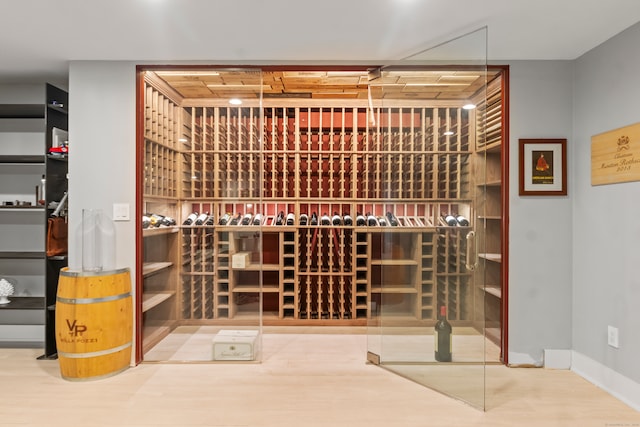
(360, 220)
(246, 219)
(372, 221)
(382, 221)
(304, 218)
(167, 221)
(291, 219)
(450, 220)
(314, 219)
(146, 221)
(224, 219)
(209, 220)
(347, 219)
(392, 220)
(236, 219)
(280, 218)
(202, 218)
(325, 220)
(257, 220)
(191, 218)
(442, 337)
(462, 221)
(335, 219)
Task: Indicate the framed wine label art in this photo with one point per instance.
(543, 167)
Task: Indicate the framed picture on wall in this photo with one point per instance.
(543, 167)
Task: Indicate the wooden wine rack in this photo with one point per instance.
(410, 160)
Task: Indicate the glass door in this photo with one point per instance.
(203, 246)
(427, 319)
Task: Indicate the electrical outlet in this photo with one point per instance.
(612, 337)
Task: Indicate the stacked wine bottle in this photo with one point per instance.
(152, 220)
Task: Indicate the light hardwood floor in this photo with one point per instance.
(304, 380)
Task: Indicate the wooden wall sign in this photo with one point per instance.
(615, 156)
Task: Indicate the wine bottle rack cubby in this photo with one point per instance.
(302, 177)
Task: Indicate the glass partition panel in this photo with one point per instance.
(207, 278)
(427, 314)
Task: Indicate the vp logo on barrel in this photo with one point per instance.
(76, 332)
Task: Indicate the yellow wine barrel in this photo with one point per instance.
(94, 321)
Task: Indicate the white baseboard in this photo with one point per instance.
(557, 359)
(607, 379)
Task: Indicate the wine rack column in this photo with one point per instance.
(361, 254)
(222, 264)
(160, 204)
(198, 291)
(427, 275)
(489, 275)
(453, 281)
(290, 302)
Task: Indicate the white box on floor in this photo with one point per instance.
(234, 345)
(241, 260)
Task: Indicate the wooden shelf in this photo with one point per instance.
(147, 232)
(151, 299)
(491, 257)
(389, 262)
(493, 290)
(150, 268)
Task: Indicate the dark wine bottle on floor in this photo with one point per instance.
(191, 218)
(442, 337)
(304, 218)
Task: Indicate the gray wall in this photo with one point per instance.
(606, 237)
(540, 227)
(102, 153)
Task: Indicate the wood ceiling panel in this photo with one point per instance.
(402, 84)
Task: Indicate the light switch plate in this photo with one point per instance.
(121, 212)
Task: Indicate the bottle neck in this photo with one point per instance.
(443, 312)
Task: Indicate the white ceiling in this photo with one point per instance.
(39, 37)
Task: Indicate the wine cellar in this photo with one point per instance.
(314, 210)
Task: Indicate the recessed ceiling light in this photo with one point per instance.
(469, 106)
(235, 101)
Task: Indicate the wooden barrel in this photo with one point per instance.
(93, 323)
